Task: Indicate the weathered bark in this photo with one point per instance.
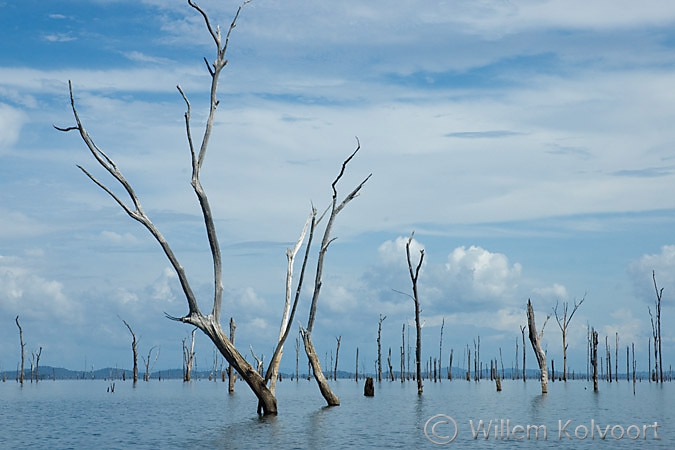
(379, 347)
(209, 324)
(324, 387)
(37, 364)
(356, 375)
(289, 312)
(134, 350)
(188, 357)
(563, 323)
(450, 365)
(23, 351)
(391, 368)
(414, 275)
(535, 340)
(306, 333)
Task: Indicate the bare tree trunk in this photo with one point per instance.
(379, 348)
(23, 351)
(134, 351)
(468, 363)
(403, 354)
(306, 333)
(535, 340)
(594, 358)
(37, 364)
(188, 357)
(356, 376)
(450, 365)
(563, 323)
(231, 375)
(391, 369)
(337, 352)
(657, 330)
(440, 351)
(146, 362)
(522, 332)
(414, 275)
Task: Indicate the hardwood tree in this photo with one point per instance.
(535, 340)
(563, 319)
(23, 350)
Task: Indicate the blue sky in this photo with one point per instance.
(528, 144)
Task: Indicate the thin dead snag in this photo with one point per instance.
(189, 357)
(134, 350)
(23, 350)
(414, 275)
(306, 332)
(535, 340)
(656, 331)
(208, 323)
(564, 319)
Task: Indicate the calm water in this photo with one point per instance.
(201, 414)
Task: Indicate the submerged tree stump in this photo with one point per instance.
(369, 387)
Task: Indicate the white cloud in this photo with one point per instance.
(482, 273)
(662, 266)
(11, 122)
(394, 252)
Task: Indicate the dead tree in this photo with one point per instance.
(522, 332)
(440, 351)
(594, 358)
(356, 375)
(188, 357)
(134, 350)
(37, 363)
(656, 330)
(391, 368)
(231, 375)
(146, 363)
(297, 359)
(403, 354)
(564, 319)
(414, 275)
(208, 323)
(290, 307)
(23, 350)
(337, 352)
(379, 347)
(535, 340)
(306, 332)
(450, 365)
(259, 361)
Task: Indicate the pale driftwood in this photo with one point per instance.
(535, 340)
(289, 313)
(209, 324)
(563, 322)
(306, 333)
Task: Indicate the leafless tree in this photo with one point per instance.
(259, 361)
(36, 356)
(189, 357)
(306, 332)
(337, 353)
(522, 332)
(564, 318)
(231, 374)
(440, 351)
(379, 347)
(414, 276)
(134, 350)
(535, 340)
(147, 363)
(594, 358)
(391, 369)
(23, 350)
(656, 330)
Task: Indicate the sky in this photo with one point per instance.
(527, 144)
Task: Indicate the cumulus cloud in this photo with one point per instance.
(661, 264)
(393, 252)
(24, 292)
(481, 274)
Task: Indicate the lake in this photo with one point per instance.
(201, 414)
